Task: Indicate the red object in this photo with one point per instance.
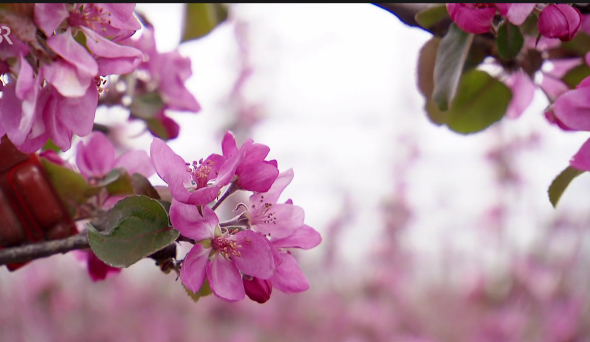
(30, 207)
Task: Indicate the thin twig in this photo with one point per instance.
(43, 249)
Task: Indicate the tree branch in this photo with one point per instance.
(43, 249)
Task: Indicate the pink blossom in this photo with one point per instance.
(169, 71)
(263, 214)
(254, 172)
(54, 116)
(219, 257)
(573, 107)
(515, 13)
(97, 158)
(474, 18)
(74, 71)
(523, 91)
(288, 277)
(477, 18)
(198, 184)
(560, 21)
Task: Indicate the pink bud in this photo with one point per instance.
(474, 18)
(259, 290)
(560, 21)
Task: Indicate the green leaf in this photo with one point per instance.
(580, 45)
(430, 16)
(575, 75)
(509, 40)
(111, 177)
(49, 145)
(200, 19)
(123, 185)
(142, 186)
(157, 129)
(204, 291)
(481, 101)
(434, 114)
(137, 227)
(146, 106)
(426, 62)
(71, 186)
(450, 59)
(560, 183)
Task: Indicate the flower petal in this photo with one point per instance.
(193, 271)
(66, 79)
(516, 13)
(284, 220)
(48, 16)
(202, 196)
(256, 257)
(288, 277)
(136, 161)
(523, 91)
(228, 145)
(581, 160)
(112, 57)
(273, 194)
(225, 279)
(68, 48)
(573, 108)
(188, 221)
(97, 158)
(257, 176)
(471, 19)
(77, 113)
(304, 238)
(171, 168)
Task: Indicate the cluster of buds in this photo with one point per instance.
(246, 255)
(555, 20)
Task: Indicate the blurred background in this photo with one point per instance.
(427, 235)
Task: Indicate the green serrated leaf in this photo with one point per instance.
(481, 101)
(509, 40)
(204, 291)
(430, 16)
(450, 59)
(560, 183)
(142, 186)
(200, 19)
(575, 75)
(123, 185)
(71, 186)
(137, 227)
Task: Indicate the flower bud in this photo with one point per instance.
(560, 21)
(474, 18)
(259, 290)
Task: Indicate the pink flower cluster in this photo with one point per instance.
(248, 254)
(555, 20)
(51, 86)
(167, 73)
